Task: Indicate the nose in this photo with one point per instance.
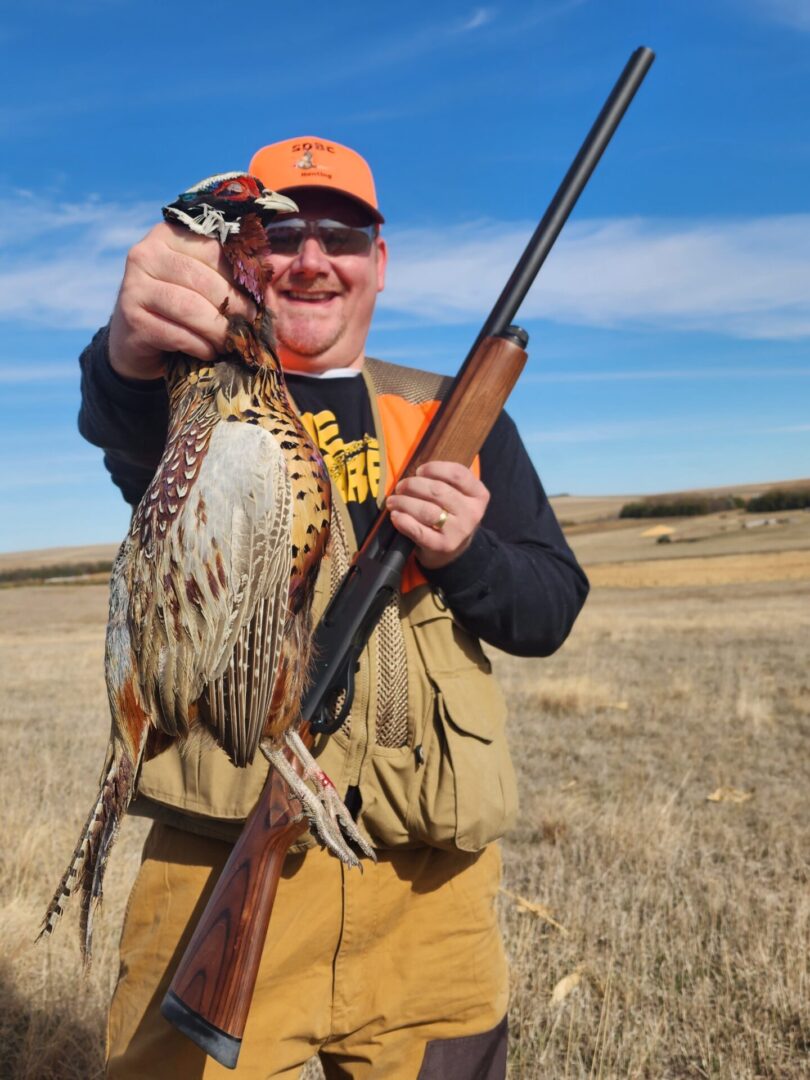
(311, 259)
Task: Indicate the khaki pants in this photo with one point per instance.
(364, 968)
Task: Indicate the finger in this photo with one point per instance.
(433, 549)
(169, 336)
(214, 284)
(187, 272)
(422, 535)
(450, 472)
(428, 513)
(436, 491)
(188, 310)
(203, 249)
(174, 256)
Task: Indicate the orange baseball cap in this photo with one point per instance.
(311, 162)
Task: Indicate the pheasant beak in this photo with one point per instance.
(271, 200)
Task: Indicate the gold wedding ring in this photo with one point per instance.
(440, 521)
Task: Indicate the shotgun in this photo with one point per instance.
(211, 992)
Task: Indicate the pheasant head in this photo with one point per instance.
(234, 208)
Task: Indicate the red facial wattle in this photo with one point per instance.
(237, 189)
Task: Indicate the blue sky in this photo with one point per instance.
(669, 328)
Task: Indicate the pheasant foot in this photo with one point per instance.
(329, 798)
(328, 818)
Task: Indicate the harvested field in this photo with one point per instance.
(584, 509)
(731, 533)
(686, 921)
(696, 572)
(66, 557)
(653, 933)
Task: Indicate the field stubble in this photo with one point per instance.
(685, 921)
(668, 935)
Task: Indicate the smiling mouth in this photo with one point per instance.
(309, 297)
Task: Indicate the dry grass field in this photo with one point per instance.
(657, 886)
(64, 557)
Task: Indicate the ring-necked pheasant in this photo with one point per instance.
(212, 588)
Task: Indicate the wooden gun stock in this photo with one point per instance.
(210, 994)
(473, 404)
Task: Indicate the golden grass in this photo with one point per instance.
(728, 533)
(582, 509)
(33, 560)
(53, 726)
(697, 572)
(687, 921)
(652, 933)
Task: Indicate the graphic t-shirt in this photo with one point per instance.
(336, 412)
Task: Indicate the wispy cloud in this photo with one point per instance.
(63, 262)
(101, 226)
(744, 278)
(480, 17)
(607, 431)
(681, 428)
(411, 46)
(50, 478)
(25, 372)
(664, 375)
(71, 293)
(45, 470)
(794, 13)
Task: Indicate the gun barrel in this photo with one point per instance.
(560, 207)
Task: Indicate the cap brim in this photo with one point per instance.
(372, 211)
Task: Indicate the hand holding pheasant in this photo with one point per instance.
(211, 592)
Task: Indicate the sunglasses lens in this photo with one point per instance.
(344, 240)
(287, 237)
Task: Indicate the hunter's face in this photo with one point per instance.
(323, 303)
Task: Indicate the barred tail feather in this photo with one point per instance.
(86, 869)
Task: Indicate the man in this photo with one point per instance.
(398, 971)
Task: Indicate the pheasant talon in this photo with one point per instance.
(328, 796)
(321, 826)
(322, 822)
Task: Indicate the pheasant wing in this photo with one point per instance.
(211, 567)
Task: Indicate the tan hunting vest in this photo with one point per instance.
(424, 741)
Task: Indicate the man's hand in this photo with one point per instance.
(171, 300)
(440, 492)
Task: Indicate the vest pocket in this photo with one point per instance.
(485, 787)
(465, 794)
(468, 792)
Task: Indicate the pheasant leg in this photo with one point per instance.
(329, 798)
(319, 808)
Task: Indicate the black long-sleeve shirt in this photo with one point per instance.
(518, 586)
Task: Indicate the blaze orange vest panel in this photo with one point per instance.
(404, 423)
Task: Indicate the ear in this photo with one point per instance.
(382, 262)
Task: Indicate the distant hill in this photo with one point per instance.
(575, 510)
(44, 563)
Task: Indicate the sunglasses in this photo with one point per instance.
(287, 237)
